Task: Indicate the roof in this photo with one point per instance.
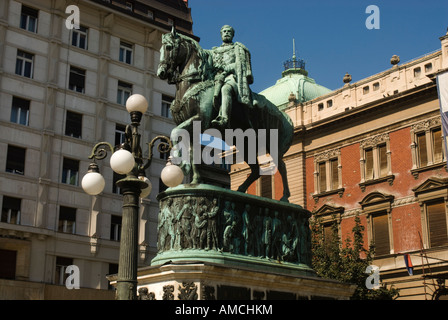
(294, 81)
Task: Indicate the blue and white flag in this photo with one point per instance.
(442, 88)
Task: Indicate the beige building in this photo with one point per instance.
(63, 89)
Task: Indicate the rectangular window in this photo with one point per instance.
(73, 124)
(113, 269)
(11, 210)
(15, 160)
(28, 19)
(382, 154)
(376, 86)
(8, 261)
(115, 228)
(436, 219)
(320, 107)
(166, 104)
(437, 145)
(70, 169)
(124, 91)
(77, 79)
(120, 136)
(334, 174)
(20, 111)
(428, 147)
(329, 236)
(79, 37)
(61, 265)
(125, 52)
(266, 186)
(322, 177)
(329, 103)
(417, 72)
(24, 64)
(428, 67)
(67, 220)
(369, 163)
(365, 90)
(376, 162)
(422, 150)
(381, 234)
(115, 178)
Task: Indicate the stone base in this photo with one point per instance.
(190, 280)
(217, 244)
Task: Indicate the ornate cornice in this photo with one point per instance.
(327, 155)
(375, 140)
(427, 124)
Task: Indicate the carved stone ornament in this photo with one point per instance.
(327, 155)
(427, 124)
(168, 292)
(208, 292)
(375, 140)
(143, 294)
(188, 291)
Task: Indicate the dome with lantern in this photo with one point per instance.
(294, 81)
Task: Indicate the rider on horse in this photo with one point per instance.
(233, 76)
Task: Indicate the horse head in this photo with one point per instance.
(169, 56)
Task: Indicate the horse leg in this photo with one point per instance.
(185, 130)
(282, 169)
(180, 151)
(254, 175)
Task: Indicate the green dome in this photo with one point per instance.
(294, 81)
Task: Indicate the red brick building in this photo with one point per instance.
(374, 149)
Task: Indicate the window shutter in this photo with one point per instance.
(369, 164)
(381, 234)
(437, 145)
(266, 186)
(383, 160)
(422, 153)
(437, 229)
(322, 177)
(334, 174)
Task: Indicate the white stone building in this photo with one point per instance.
(62, 90)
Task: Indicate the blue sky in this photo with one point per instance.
(330, 35)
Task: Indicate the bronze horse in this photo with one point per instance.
(184, 63)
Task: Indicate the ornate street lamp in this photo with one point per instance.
(127, 159)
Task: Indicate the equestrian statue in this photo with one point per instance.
(212, 86)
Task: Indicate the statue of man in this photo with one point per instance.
(233, 76)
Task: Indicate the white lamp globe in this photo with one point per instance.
(93, 183)
(122, 161)
(145, 192)
(172, 175)
(136, 103)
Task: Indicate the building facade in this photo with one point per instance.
(62, 90)
(375, 149)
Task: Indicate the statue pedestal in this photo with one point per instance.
(197, 280)
(215, 243)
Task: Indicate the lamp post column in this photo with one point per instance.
(128, 259)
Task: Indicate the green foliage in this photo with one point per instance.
(346, 262)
